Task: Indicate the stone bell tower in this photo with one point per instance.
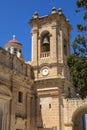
(50, 44)
(50, 47)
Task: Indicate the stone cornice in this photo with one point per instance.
(51, 91)
(48, 65)
(49, 81)
(48, 91)
(48, 18)
(44, 85)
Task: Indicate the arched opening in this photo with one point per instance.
(79, 118)
(1, 115)
(45, 44)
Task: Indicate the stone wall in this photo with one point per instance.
(14, 63)
(16, 76)
(74, 110)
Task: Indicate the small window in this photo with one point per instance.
(20, 97)
(49, 106)
(40, 106)
(15, 50)
(20, 50)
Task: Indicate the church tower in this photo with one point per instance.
(50, 48)
(50, 44)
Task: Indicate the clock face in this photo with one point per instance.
(45, 71)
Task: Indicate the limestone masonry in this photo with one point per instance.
(38, 95)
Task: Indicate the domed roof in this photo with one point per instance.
(13, 41)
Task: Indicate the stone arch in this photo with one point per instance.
(45, 37)
(5, 90)
(77, 117)
(43, 32)
(1, 116)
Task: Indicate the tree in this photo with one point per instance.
(77, 61)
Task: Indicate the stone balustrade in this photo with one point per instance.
(45, 54)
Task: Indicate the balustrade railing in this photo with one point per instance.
(44, 54)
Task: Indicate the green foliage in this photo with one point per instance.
(82, 5)
(77, 62)
(80, 45)
(78, 71)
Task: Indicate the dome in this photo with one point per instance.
(14, 47)
(13, 41)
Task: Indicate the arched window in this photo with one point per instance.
(20, 97)
(45, 45)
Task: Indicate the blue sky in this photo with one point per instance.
(15, 15)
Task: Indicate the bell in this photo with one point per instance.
(45, 40)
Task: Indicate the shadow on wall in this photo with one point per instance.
(1, 116)
(79, 118)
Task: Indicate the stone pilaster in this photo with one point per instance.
(13, 109)
(53, 44)
(60, 47)
(28, 112)
(34, 45)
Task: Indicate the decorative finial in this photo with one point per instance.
(53, 10)
(35, 15)
(14, 37)
(60, 11)
(67, 20)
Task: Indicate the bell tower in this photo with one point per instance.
(50, 44)
(50, 48)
